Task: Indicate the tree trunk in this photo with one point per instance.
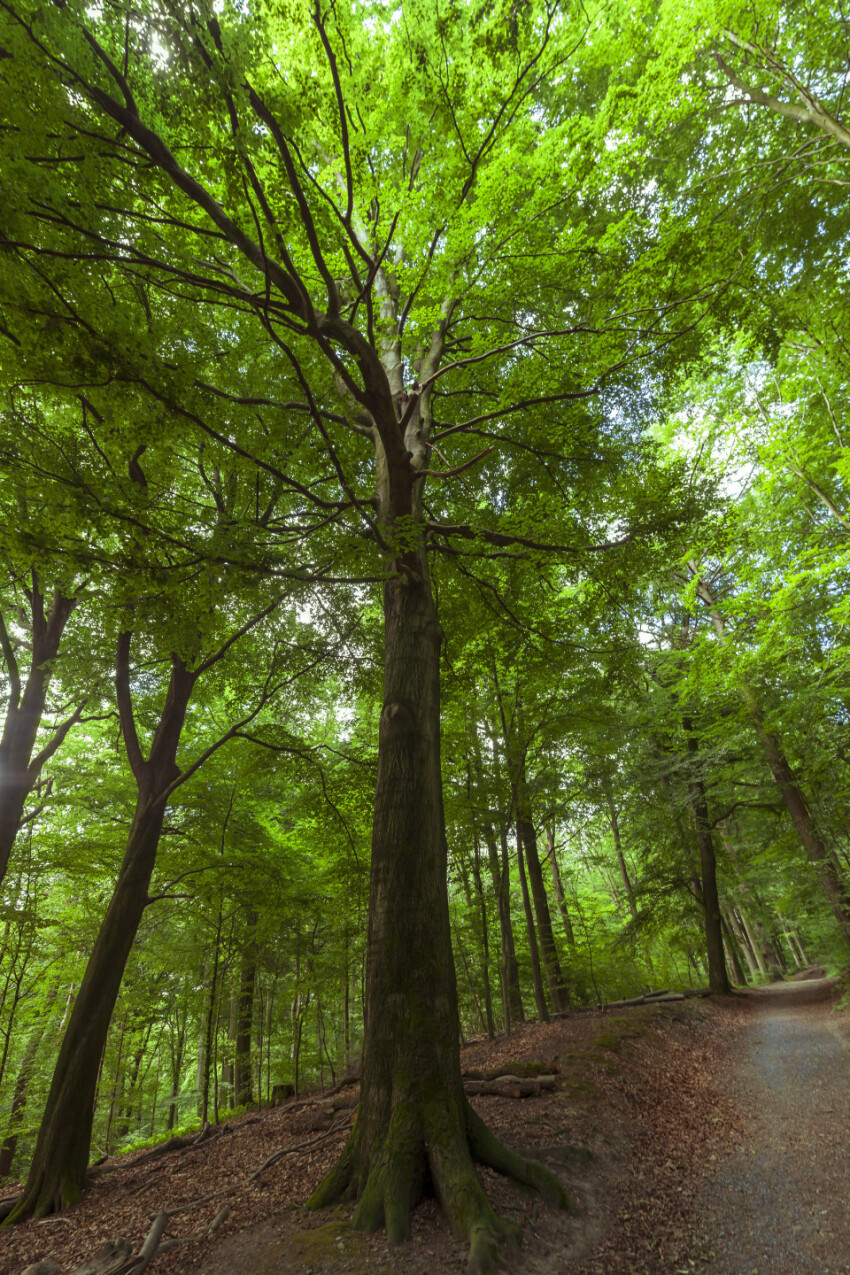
(534, 953)
(19, 772)
(415, 1128)
(718, 979)
(58, 1170)
(731, 950)
(558, 992)
(500, 871)
(211, 1019)
(795, 803)
(19, 1097)
(743, 942)
(485, 938)
(244, 1095)
(557, 884)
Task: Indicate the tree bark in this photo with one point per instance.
(58, 1170)
(743, 942)
(534, 953)
(485, 937)
(500, 871)
(244, 1094)
(795, 803)
(558, 992)
(718, 979)
(415, 1128)
(19, 771)
(557, 885)
(19, 1096)
(731, 950)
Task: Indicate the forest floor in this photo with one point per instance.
(695, 1135)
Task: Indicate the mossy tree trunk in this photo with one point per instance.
(415, 1129)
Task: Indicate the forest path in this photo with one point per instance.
(778, 1205)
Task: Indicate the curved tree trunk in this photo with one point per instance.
(415, 1129)
(57, 1173)
(19, 771)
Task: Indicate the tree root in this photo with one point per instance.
(426, 1147)
(44, 1198)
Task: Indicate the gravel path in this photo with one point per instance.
(780, 1203)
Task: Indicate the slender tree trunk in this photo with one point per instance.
(833, 886)
(472, 989)
(558, 991)
(786, 934)
(346, 1008)
(19, 771)
(58, 1169)
(557, 885)
(117, 1085)
(743, 942)
(485, 938)
(624, 876)
(718, 979)
(753, 933)
(210, 1019)
(536, 976)
(19, 1096)
(731, 951)
(500, 871)
(247, 978)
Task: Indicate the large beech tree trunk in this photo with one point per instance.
(415, 1129)
(57, 1173)
(19, 770)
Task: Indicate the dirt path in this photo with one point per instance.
(706, 1137)
(778, 1205)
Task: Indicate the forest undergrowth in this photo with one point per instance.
(637, 1116)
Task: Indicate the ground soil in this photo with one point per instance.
(702, 1135)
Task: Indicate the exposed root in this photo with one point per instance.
(336, 1185)
(487, 1149)
(426, 1144)
(44, 1198)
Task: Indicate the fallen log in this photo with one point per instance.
(527, 1070)
(510, 1086)
(656, 998)
(116, 1257)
